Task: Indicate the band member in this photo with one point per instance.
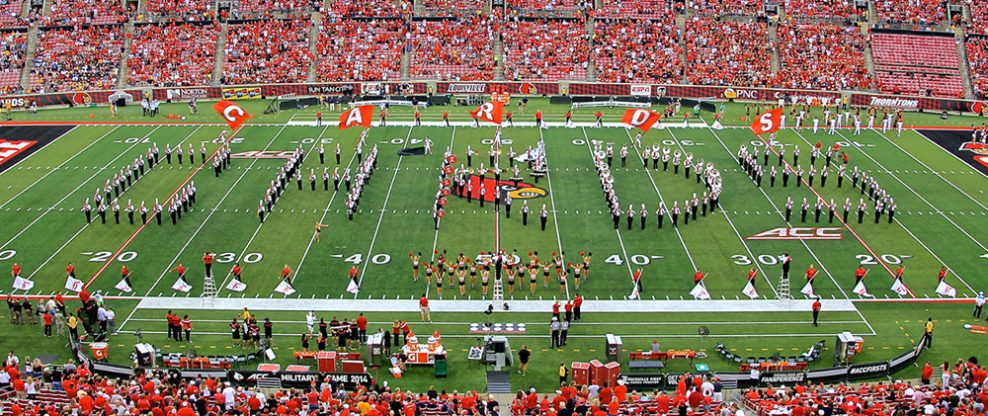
(544, 216)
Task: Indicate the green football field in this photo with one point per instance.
(939, 222)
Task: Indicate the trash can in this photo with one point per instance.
(442, 368)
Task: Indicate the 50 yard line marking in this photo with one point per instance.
(435, 241)
(387, 196)
(548, 179)
(56, 168)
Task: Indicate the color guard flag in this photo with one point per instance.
(700, 292)
(640, 118)
(899, 287)
(808, 290)
(21, 283)
(73, 284)
(181, 286)
(123, 286)
(357, 116)
(749, 290)
(860, 289)
(236, 285)
(232, 113)
(285, 288)
(491, 112)
(767, 122)
(946, 290)
(352, 287)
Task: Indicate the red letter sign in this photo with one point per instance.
(767, 122)
(641, 118)
(357, 116)
(233, 114)
(489, 112)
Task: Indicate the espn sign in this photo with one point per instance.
(11, 148)
(640, 90)
(466, 88)
(799, 233)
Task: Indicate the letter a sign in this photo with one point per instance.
(357, 116)
(767, 122)
(641, 118)
(233, 114)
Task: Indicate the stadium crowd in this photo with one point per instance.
(977, 56)
(629, 51)
(13, 51)
(823, 55)
(549, 50)
(379, 58)
(180, 10)
(267, 51)
(84, 12)
(456, 49)
(88, 60)
(172, 54)
(910, 14)
(727, 52)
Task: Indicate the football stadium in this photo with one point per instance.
(439, 207)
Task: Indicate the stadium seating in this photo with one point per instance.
(267, 51)
(821, 56)
(172, 55)
(563, 6)
(914, 63)
(13, 50)
(911, 14)
(181, 10)
(369, 8)
(90, 60)
(85, 12)
(10, 12)
(979, 17)
(635, 9)
(977, 57)
(261, 8)
(546, 50)
(629, 51)
(454, 49)
(822, 9)
(376, 57)
(453, 7)
(727, 52)
(727, 7)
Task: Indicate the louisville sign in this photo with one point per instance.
(232, 113)
(358, 116)
(640, 118)
(799, 233)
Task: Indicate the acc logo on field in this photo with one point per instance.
(803, 233)
(979, 148)
(526, 192)
(527, 88)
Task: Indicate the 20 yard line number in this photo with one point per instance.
(863, 259)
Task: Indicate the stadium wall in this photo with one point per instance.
(702, 93)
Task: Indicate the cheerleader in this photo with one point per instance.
(415, 265)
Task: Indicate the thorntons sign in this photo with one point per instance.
(466, 88)
(894, 102)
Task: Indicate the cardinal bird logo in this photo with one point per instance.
(527, 88)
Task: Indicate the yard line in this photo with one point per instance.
(170, 198)
(474, 336)
(75, 126)
(321, 219)
(435, 240)
(935, 209)
(56, 168)
(983, 207)
(211, 212)
(624, 251)
(806, 246)
(552, 201)
(387, 197)
(904, 184)
(539, 323)
(84, 226)
(949, 153)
